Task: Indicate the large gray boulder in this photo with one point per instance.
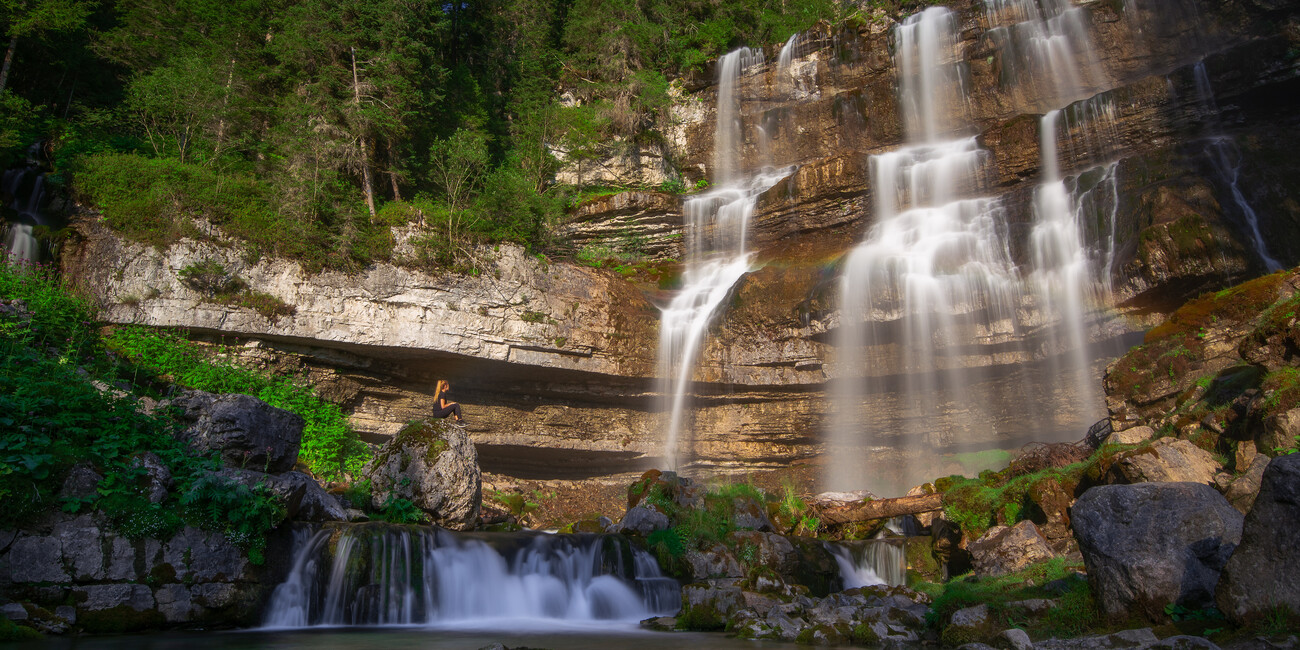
(248, 432)
(433, 465)
(1152, 544)
(1004, 550)
(1262, 574)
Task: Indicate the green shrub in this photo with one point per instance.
(53, 414)
(330, 447)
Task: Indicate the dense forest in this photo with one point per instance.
(311, 128)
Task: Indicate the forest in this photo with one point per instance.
(311, 129)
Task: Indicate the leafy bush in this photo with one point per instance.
(54, 413)
(330, 447)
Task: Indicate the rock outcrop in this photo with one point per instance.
(1261, 575)
(1167, 460)
(1150, 545)
(109, 583)
(1004, 549)
(433, 465)
(245, 431)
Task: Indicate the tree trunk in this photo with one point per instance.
(225, 103)
(392, 173)
(9, 59)
(882, 509)
(366, 185)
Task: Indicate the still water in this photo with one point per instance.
(568, 637)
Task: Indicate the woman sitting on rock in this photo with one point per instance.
(444, 407)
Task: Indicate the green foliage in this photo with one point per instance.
(1076, 613)
(209, 277)
(400, 511)
(56, 416)
(11, 632)
(515, 503)
(330, 447)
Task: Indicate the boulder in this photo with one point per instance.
(1013, 639)
(1243, 489)
(1279, 432)
(1133, 436)
(1261, 575)
(1004, 550)
(247, 432)
(1168, 460)
(708, 606)
(81, 482)
(435, 466)
(303, 498)
(968, 625)
(1153, 544)
(716, 561)
(748, 513)
(641, 520)
(157, 480)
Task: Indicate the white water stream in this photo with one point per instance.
(387, 575)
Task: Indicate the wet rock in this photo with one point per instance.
(247, 432)
(1131, 436)
(1004, 550)
(1242, 491)
(1261, 574)
(435, 466)
(642, 521)
(1153, 544)
(1168, 460)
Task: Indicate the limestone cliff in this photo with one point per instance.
(555, 361)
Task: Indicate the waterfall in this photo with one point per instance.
(25, 187)
(377, 574)
(1224, 156)
(933, 275)
(880, 561)
(717, 227)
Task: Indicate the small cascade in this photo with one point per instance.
(1046, 55)
(932, 278)
(375, 574)
(1221, 150)
(880, 561)
(24, 189)
(717, 227)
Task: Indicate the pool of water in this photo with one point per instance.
(572, 637)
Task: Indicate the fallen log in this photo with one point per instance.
(882, 509)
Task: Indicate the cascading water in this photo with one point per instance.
(386, 575)
(933, 274)
(717, 226)
(1224, 156)
(26, 189)
(880, 561)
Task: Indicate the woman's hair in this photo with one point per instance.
(438, 390)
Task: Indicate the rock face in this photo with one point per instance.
(304, 499)
(1153, 544)
(556, 359)
(1004, 550)
(114, 584)
(1261, 574)
(247, 432)
(433, 465)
